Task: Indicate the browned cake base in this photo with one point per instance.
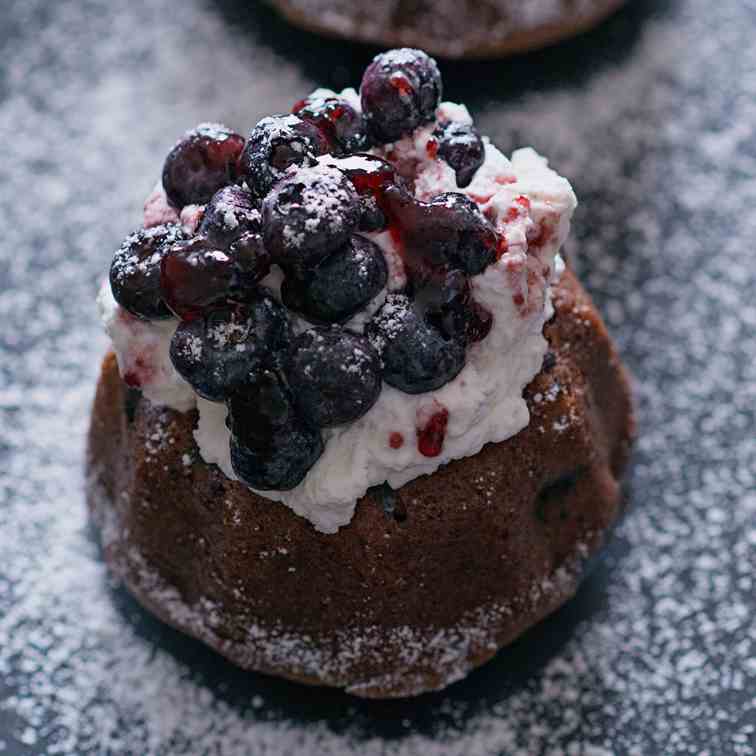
(404, 599)
(448, 28)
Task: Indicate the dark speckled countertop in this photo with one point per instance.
(653, 118)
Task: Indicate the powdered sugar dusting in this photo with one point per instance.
(322, 198)
(654, 656)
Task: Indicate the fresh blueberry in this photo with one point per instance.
(217, 353)
(416, 356)
(203, 161)
(263, 408)
(480, 322)
(341, 285)
(445, 301)
(195, 275)
(400, 91)
(251, 260)
(461, 147)
(231, 212)
(449, 231)
(335, 376)
(343, 126)
(276, 143)
(308, 215)
(281, 463)
(135, 271)
(470, 237)
(271, 447)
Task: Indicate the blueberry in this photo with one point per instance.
(271, 447)
(279, 465)
(195, 275)
(231, 212)
(370, 176)
(217, 353)
(263, 408)
(470, 237)
(343, 126)
(202, 162)
(335, 376)
(308, 215)
(251, 260)
(341, 285)
(461, 147)
(135, 271)
(480, 322)
(416, 356)
(449, 231)
(400, 91)
(445, 300)
(276, 143)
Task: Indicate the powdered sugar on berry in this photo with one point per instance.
(530, 206)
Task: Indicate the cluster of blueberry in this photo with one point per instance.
(297, 193)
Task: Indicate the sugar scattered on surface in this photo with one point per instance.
(655, 656)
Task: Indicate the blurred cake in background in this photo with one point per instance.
(450, 28)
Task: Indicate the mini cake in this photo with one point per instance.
(451, 28)
(360, 426)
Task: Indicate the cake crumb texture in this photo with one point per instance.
(391, 605)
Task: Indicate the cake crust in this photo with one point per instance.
(464, 30)
(423, 585)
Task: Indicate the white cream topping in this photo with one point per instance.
(141, 348)
(531, 207)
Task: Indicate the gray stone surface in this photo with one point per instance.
(653, 117)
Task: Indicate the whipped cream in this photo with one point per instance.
(142, 350)
(530, 206)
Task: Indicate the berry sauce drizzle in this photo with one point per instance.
(430, 438)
